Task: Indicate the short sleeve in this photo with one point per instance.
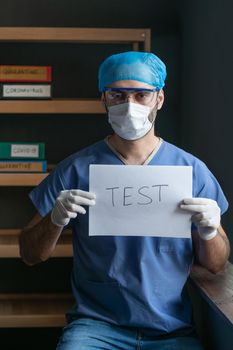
(206, 185)
(44, 195)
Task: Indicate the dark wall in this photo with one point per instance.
(206, 94)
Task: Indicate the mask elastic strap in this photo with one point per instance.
(155, 114)
(104, 102)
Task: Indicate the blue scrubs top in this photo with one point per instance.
(128, 281)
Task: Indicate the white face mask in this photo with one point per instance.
(130, 120)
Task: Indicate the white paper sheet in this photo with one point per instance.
(135, 200)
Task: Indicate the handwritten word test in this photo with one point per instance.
(143, 195)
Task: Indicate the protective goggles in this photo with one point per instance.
(121, 95)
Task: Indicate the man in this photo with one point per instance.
(129, 291)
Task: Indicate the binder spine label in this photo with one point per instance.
(25, 151)
(19, 150)
(23, 166)
(11, 73)
(26, 91)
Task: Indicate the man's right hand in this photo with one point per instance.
(69, 204)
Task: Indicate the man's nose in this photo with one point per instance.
(129, 96)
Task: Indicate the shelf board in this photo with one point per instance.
(53, 107)
(24, 179)
(34, 310)
(83, 35)
(9, 247)
(21, 179)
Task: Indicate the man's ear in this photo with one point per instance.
(160, 99)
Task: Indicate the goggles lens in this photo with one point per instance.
(120, 95)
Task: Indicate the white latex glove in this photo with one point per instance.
(206, 215)
(69, 204)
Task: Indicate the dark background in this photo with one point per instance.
(193, 38)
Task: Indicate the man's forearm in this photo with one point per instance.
(38, 242)
(213, 254)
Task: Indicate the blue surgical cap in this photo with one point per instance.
(141, 66)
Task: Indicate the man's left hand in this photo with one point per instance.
(206, 215)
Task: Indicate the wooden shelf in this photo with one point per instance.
(217, 289)
(48, 310)
(34, 310)
(53, 107)
(82, 35)
(9, 247)
(21, 179)
(24, 179)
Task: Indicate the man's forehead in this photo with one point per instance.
(130, 84)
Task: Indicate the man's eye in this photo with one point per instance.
(143, 95)
(114, 95)
(118, 95)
